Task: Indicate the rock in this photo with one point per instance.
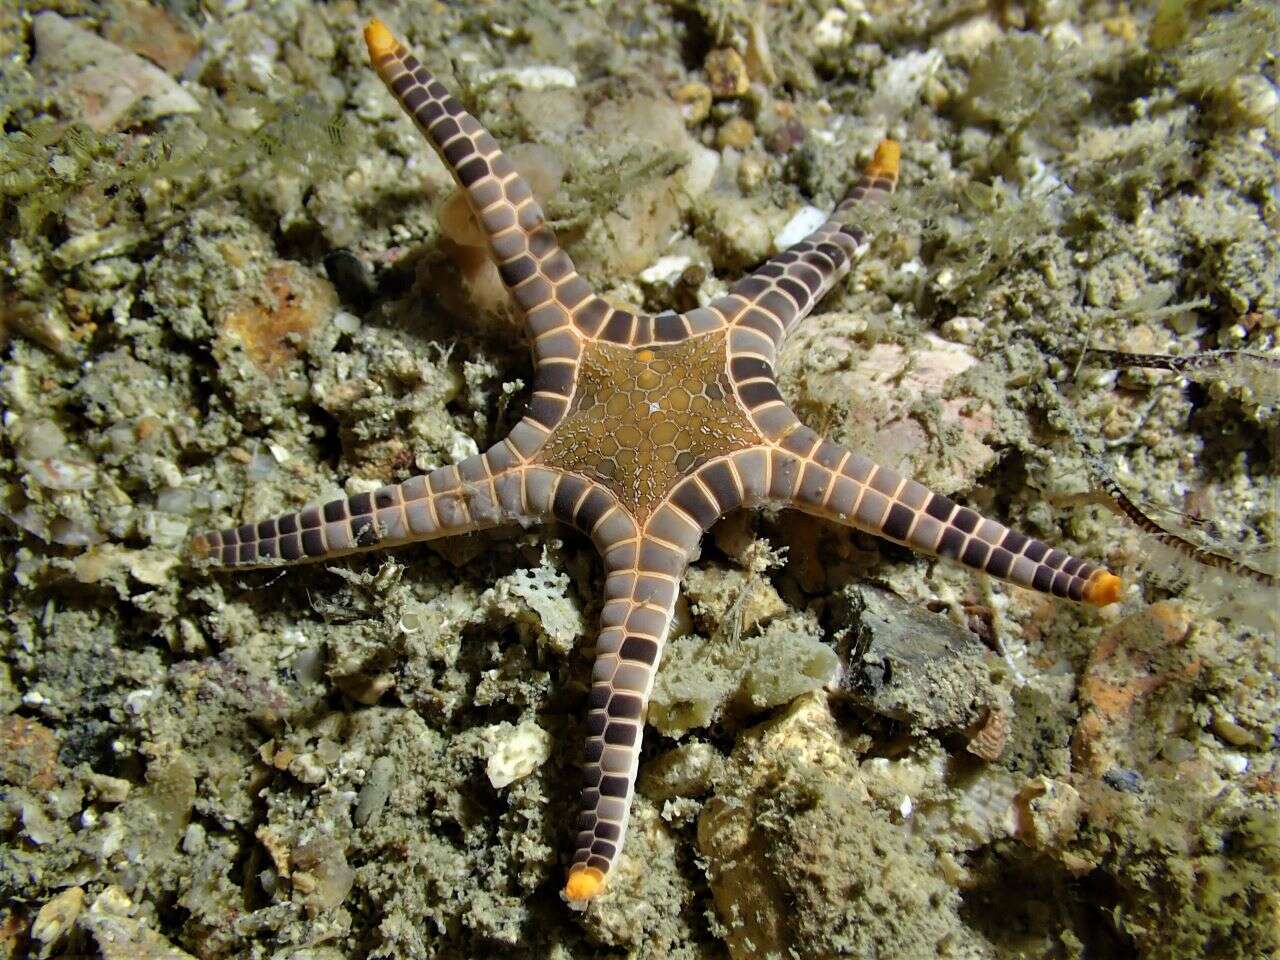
(829, 32)
(532, 77)
(737, 132)
(802, 864)
(1229, 731)
(101, 81)
(723, 679)
(726, 73)
(687, 771)
(1048, 813)
(921, 669)
(29, 757)
(1137, 679)
(109, 562)
(694, 100)
(153, 32)
(108, 789)
(539, 598)
(802, 223)
(1253, 100)
(122, 937)
(375, 791)
(160, 811)
(274, 323)
(899, 82)
(321, 874)
(759, 59)
(57, 916)
(701, 171)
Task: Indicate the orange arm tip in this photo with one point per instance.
(885, 162)
(1103, 588)
(379, 39)
(583, 884)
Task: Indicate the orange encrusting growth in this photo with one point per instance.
(1103, 588)
(583, 884)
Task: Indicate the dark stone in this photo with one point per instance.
(914, 666)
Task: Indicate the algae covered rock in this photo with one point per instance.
(803, 865)
(918, 667)
(103, 81)
(702, 681)
(755, 656)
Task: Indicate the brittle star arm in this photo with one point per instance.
(781, 292)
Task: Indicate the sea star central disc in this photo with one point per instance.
(641, 419)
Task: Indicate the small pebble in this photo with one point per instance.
(1237, 763)
(751, 174)
(1253, 100)
(694, 101)
(57, 916)
(374, 793)
(737, 132)
(1126, 781)
(100, 81)
(1225, 726)
(516, 753)
(666, 270)
(532, 78)
(726, 73)
(829, 33)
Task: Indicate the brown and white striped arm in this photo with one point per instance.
(478, 492)
(554, 298)
(556, 302)
(838, 484)
(642, 580)
(770, 301)
(558, 305)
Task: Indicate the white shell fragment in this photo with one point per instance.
(802, 223)
(532, 78)
(516, 752)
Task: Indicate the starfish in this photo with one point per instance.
(641, 432)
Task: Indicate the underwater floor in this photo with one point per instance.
(234, 281)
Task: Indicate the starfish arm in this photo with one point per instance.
(641, 583)
(557, 304)
(779, 294)
(479, 492)
(643, 570)
(838, 484)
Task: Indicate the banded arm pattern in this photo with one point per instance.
(470, 495)
(770, 301)
(642, 580)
